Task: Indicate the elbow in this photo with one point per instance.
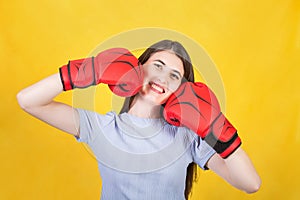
(21, 98)
(253, 187)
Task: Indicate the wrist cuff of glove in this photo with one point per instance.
(65, 77)
(224, 149)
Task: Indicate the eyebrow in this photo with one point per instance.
(160, 61)
(174, 70)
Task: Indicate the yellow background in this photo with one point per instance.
(255, 45)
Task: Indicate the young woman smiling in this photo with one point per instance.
(148, 158)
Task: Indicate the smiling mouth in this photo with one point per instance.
(156, 88)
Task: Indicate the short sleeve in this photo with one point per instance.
(91, 124)
(202, 152)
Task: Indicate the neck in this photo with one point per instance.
(144, 109)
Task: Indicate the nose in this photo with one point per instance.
(162, 78)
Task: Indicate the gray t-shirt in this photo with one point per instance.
(141, 158)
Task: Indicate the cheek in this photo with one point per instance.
(173, 86)
(147, 73)
(169, 93)
(147, 70)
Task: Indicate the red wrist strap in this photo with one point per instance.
(65, 78)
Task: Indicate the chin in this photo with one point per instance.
(153, 100)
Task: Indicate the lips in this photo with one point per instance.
(156, 88)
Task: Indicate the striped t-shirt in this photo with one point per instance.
(141, 158)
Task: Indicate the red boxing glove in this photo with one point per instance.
(116, 67)
(195, 106)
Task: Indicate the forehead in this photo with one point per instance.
(170, 59)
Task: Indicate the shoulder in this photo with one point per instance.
(92, 117)
(94, 113)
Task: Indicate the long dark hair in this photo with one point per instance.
(180, 51)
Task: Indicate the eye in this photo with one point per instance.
(158, 66)
(174, 76)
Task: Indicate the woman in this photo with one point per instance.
(166, 65)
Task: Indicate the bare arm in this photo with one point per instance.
(37, 100)
(237, 170)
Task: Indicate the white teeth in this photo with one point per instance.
(157, 88)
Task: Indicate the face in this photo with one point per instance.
(163, 74)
